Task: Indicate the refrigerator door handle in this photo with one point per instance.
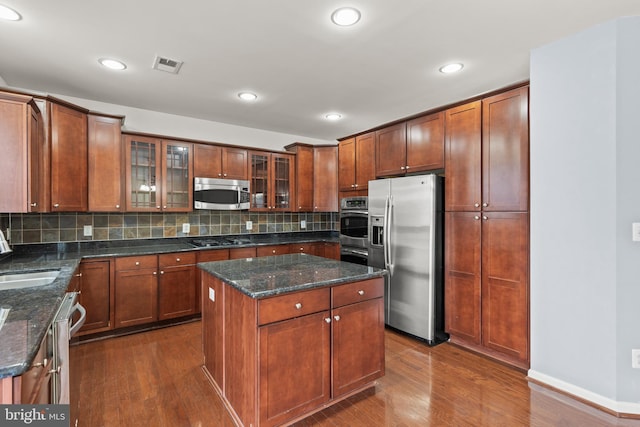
(387, 231)
(385, 243)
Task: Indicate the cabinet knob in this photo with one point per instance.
(299, 208)
(155, 273)
(327, 319)
(407, 167)
(117, 206)
(484, 217)
(79, 275)
(219, 174)
(273, 251)
(33, 205)
(161, 272)
(157, 207)
(336, 317)
(484, 205)
(353, 186)
(298, 306)
(137, 262)
(476, 217)
(402, 168)
(56, 205)
(301, 249)
(178, 260)
(477, 205)
(356, 185)
(224, 174)
(164, 207)
(360, 292)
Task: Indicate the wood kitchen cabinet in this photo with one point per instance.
(413, 146)
(69, 151)
(106, 164)
(177, 285)
(285, 356)
(316, 177)
(159, 175)
(33, 387)
(136, 290)
(356, 164)
(325, 178)
(97, 295)
(21, 127)
(487, 283)
(272, 181)
(215, 161)
(271, 250)
(487, 154)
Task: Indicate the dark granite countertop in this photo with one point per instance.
(33, 309)
(268, 276)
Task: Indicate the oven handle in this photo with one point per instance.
(363, 253)
(83, 316)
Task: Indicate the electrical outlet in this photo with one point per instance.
(186, 228)
(212, 295)
(88, 231)
(635, 358)
(249, 225)
(303, 224)
(635, 231)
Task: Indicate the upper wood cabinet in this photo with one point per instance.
(272, 181)
(21, 127)
(463, 152)
(69, 147)
(159, 175)
(325, 178)
(304, 176)
(487, 154)
(215, 161)
(106, 161)
(505, 151)
(356, 163)
(391, 150)
(413, 146)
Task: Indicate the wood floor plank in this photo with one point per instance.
(155, 379)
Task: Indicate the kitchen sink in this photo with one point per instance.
(27, 280)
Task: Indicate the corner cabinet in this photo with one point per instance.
(272, 181)
(159, 175)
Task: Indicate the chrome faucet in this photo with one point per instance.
(4, 245)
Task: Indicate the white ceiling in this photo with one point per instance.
(288, 52)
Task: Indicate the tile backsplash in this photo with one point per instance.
(70, 227)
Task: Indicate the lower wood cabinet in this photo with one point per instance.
(96, 295)
(487, 285)
(176, 286)
(277, 359)
(136, 290)
(33, 387)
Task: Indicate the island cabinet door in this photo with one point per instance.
(358, 345)
(294, 367)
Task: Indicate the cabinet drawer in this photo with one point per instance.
(292, 305)
(177, 259)
(356, 292)
(136, 262)
(213, 255)
(273, 250)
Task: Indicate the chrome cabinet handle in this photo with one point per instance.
(360, 292)
(298, 306)
(336, 317)
(56, 371)
(327, 319)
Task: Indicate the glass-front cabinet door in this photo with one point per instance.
(177, 188)
(159, 175)
(271, 181)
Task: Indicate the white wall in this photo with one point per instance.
(139, 120)
(584, 287)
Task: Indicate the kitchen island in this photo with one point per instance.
(286, 336)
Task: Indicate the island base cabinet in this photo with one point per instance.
(358, 336)
(294, 367)
(279, 359)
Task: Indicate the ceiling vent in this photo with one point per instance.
(165, 64)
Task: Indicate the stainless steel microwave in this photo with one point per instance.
(220, 194)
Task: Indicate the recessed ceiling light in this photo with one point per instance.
(9, 14)
(247, 96)
(345, 16)
(333, 116)
(451, 68)
(112, 63)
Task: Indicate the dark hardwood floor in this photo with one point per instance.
(155, 379)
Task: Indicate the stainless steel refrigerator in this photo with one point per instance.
(406, 237)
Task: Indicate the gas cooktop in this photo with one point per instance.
(219, 241)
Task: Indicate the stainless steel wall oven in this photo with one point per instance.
(354, 236)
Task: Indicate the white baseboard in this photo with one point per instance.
(614, 405)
